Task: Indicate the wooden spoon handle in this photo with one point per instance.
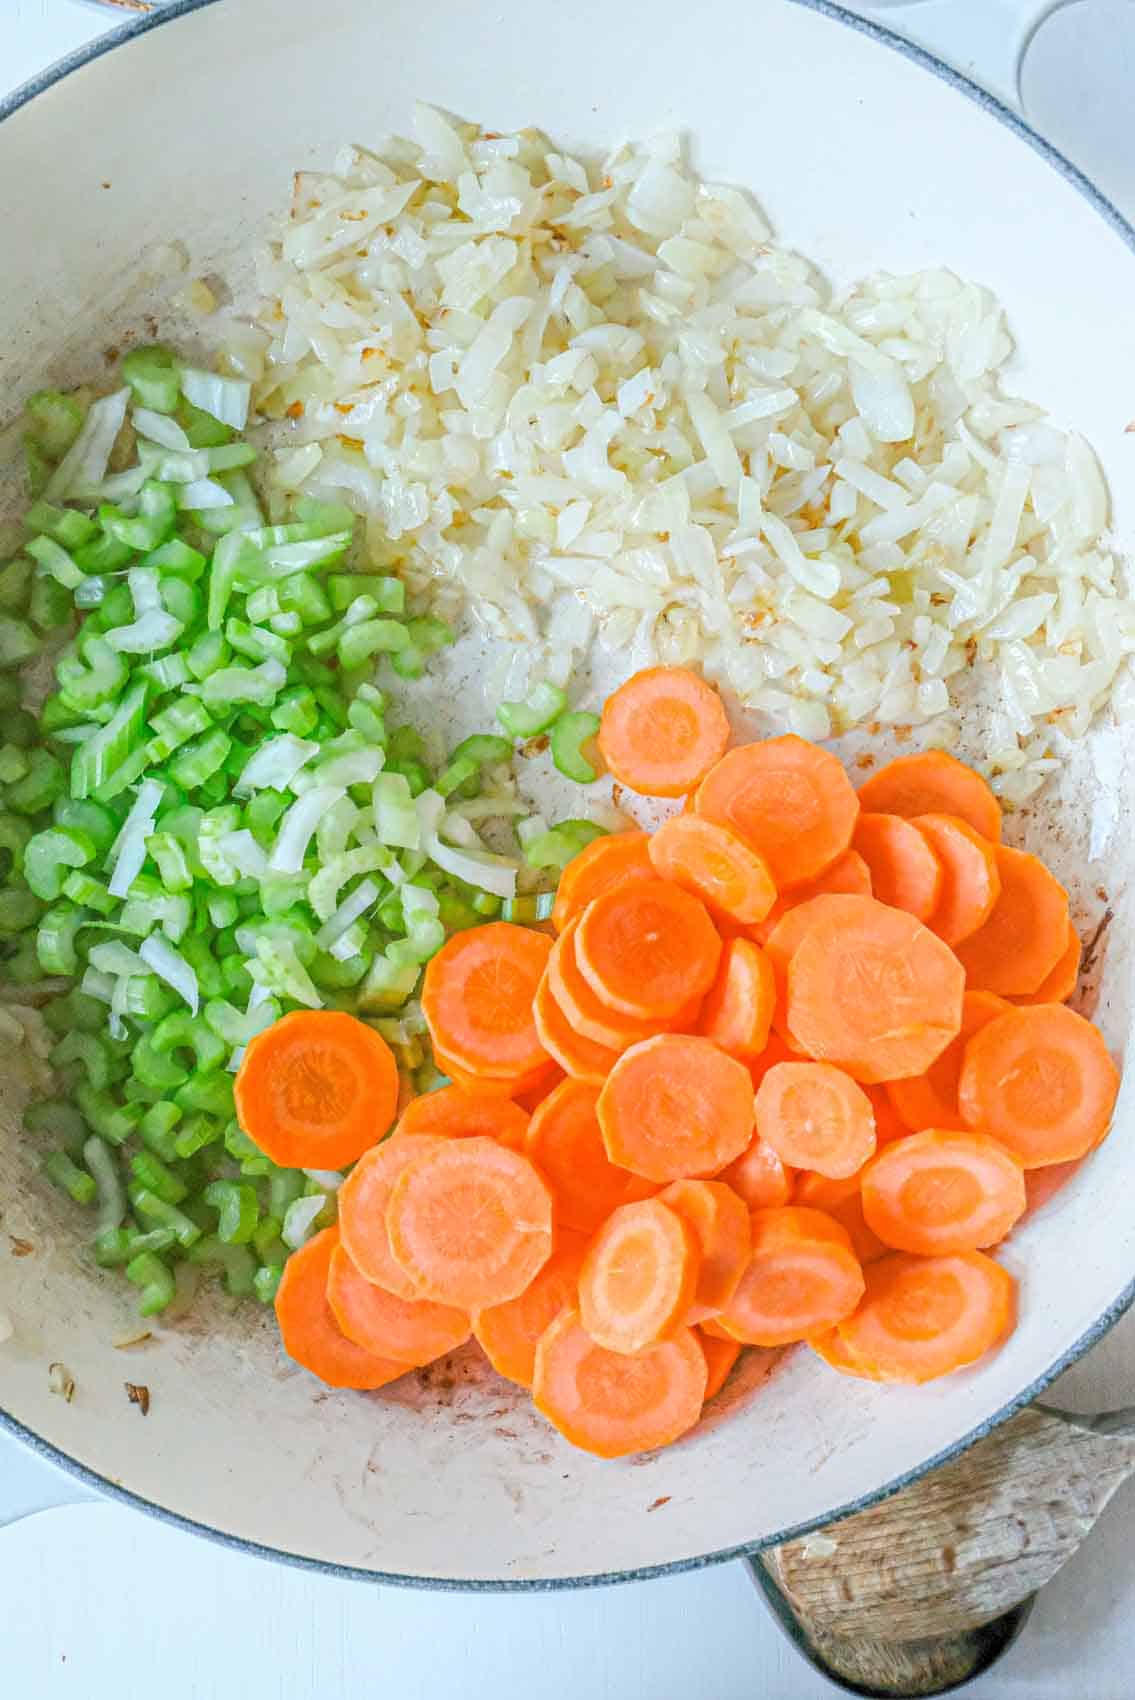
(931, 1584)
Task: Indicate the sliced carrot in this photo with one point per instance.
(648, 949)
(612, 1404)
(1060, 983)
(601, 866)
(841, 1200)
(531, 1097)
(873, 991)
(1026, 933)
(971, 883)
(581, 1057)
(470, 1223)
(453, 1113)
(933, 783)
(716, 865)
(639, 1277)
(904, 870)
(848, 875)
(713, 1327)
(719, 1221)
(802, 1277)
(830, 1346)
(923, 1317)
(782, 943)
(943, 1191)
(566, 1145)
(483, 1085)
(408, 1331)
(738, 1010)
(759, 1177)
(316, 1089)
(509, 1333)
(662, 731)
(720, 1356)
(931, 1099)
(1040, 1080)
(308, 1328)
(816, 1117)
(586, 1013)
(788, 799)
(673, 1107)
(477, 997)
(363, 1198)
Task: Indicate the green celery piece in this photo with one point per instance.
(203, 431)
(59, 1119)
(199, 760)
(154, 1280)
(44, 781)
(13, 764)
(182, 1031)
(181, 599)
(387, 592)
(237, 1262)
(175, 725)
(173, 867)
(14, 836)
(555, 849)
(18, 642)
(207, 654)
(89, 893)
(56, 935)
(154, 376)
(296, 711)
(156, 1129)
(108, 748)
(95, 678)
(148, 998)
(15, 585)
(149, 1207)
(196, 1132)
(65, 526)
(103, 555)
(175, 559)
(238, 1210)
(569, 734)
(111, 1121)
(49, 852)
(151, 1172)
(90, 818)
(69, 1178)
(54, 560)
(50, 607)
(153, 523)
(54, 421)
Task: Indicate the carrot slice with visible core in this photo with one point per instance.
(790, 800)
(933, 783)
(904, 870)
(931, 1099)
(924, 1317)
(509, 1333)
(453, 1113)
(662, 731)
(601, 866)
(647, 950)
(673, 1107)
(316, 1089)
(579, 1056)
(759, 1177)
(310, 1334)
(566, 1145)
(477, 997)
(815, 1117)
(848, 875)
(470, 1223)
(874, 991)
(802, 1277)
(408, 1331)
(942, 1191)
(586, 1013)
(716, 865)
(841, 1201)
(1058, 985)
(363, 1198)
(639, 1277)
(971, 883)
(1026, 932)
(612, 1404)
(738, 1010)
(720, 1356)
(1040, 1080)
(719, 1221)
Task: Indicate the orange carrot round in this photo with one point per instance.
(815, 1117)
(782, 943)
(484, 1085)
(831, 1346)
(924, 1317)
(971, 883)
(647, 950)
(842, 1201)
(316, 1089)
(738, 1009)
(509, 1333)
(577, 1055)
(904, 870)
(788, 799)
(848, 875)
(1039, 1079)
(719, 1222)
(452, 1113)
(363, 1198)
(759, 1177)
(612, 1404)
(408, 1331)
(662, 731)
(470, 1223)
(802, 1277)
(601, 866)
(873, 991)
(931, 1099)
(933, 783)
(674, 1107)
(1060, 983)
(477, 997)
(1026, 932)
(720, 1356)
(639, 1276)
(566, 1145)
(308, 1328)
(716, 865)
(587, 1014)
(942, 1191)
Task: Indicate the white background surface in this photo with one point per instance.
(99, 1601)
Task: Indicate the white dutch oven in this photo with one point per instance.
(864, 158)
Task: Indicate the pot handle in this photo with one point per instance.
(928, 1588)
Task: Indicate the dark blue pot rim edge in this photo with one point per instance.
(997, 109)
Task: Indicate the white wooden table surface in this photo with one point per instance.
(99, 1601)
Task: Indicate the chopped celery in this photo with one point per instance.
(540, 709)
(570, 734)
